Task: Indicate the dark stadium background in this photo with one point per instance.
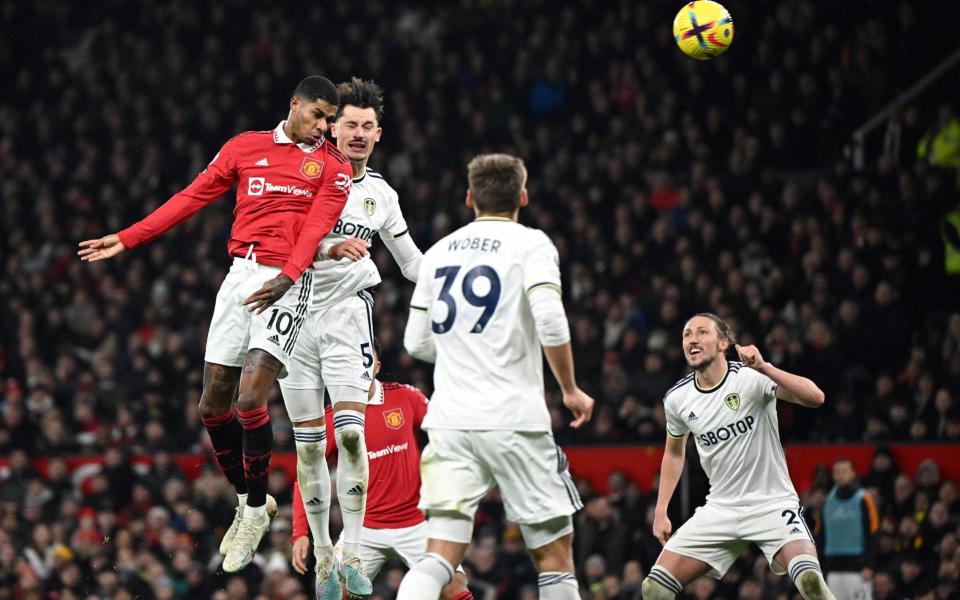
(668, 185)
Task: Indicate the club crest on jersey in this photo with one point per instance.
(732, 401)
(311, 168)
(394, 418)
(369, 206)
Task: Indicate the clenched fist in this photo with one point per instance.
(750, 356)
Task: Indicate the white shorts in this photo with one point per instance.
(335, 347)
(377, 546)
(234, 329)
(717, 536)
(458, 468)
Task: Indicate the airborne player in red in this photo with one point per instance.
(291, 187)
(393, 525)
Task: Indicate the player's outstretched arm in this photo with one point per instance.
(671, 468)
(790, 387)
(209, 185)
(106, 247)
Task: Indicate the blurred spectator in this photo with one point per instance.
(849, 521)
(941, 144)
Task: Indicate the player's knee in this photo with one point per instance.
(651, 589)
(248, 402)
(213, 405)
(348, 427)
(311, 453)
(260, 371)
(350, 441)
(219, 389)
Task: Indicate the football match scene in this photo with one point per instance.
(479, 300)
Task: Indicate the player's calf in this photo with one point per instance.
(260, 371)
(552, 553)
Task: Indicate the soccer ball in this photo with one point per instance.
(703, 29)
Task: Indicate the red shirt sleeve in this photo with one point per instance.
(331, 436)
(323, 215)
(300, 525)
(420, 403)
(213, 182)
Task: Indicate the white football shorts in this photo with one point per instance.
(717, 536)
(234, 329)
(458, 468)
(335, 347)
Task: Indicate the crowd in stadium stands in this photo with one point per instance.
(668, 185)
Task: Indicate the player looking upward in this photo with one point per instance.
(291, 186)
(730, 408)
(339, 332)
(487, 299)
(393, 525)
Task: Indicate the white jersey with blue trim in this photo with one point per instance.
(734, 425)
(473, 284)
(373, 207)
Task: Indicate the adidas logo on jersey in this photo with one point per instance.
(313, 501)
(692, 416)
(262, 162)
(356, 490)
(365, 376)
(274, 339)
(795, 531)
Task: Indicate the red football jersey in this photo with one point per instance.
(288, 198)
(393, 416)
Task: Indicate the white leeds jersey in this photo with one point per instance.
(473, 283)
(735, 427)
(372, 207)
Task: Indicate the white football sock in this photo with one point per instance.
(558, 586)
(314, 479)
(352, 473)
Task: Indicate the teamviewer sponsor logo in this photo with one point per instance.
(256, 186)
(392, 449)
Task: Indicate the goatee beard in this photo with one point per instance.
(703, 365)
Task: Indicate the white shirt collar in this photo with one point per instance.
(377, 394)
(280, 137)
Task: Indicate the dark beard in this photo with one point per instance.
(703, 365)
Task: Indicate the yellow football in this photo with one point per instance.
(703, 29)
